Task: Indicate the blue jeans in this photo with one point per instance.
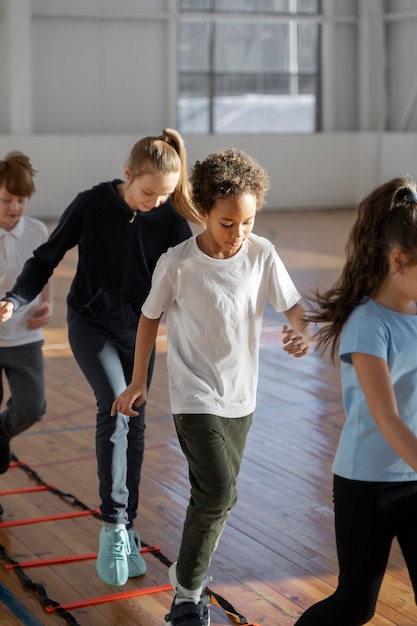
(368, 516)
(106, 360)
(24, 370)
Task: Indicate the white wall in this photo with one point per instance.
(95, 75)
(332, 170)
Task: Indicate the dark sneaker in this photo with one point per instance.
(184, 611)
(114, 549)
(188, 614)
(4, 456)
(135, 561)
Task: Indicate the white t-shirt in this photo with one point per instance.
(16, 246)
(214, 318)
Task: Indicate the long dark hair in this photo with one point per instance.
(386, 218)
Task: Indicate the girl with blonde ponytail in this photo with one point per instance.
(166, 154)
(121, 228)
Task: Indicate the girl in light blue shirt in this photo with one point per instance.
(369, 318)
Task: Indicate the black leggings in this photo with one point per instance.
(368, 515)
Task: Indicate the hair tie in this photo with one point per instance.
(412, 197)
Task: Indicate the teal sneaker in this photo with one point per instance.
(114, 548)
(135, 561)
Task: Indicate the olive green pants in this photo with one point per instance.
(213, 447)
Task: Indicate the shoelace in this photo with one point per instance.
(132, 542)
(119, 547)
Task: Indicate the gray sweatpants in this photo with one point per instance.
(24, 370)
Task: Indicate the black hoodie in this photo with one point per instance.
(117, 253)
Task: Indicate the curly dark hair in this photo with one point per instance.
(229, 172)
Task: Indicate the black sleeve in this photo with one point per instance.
(39, 268)
(181, 232)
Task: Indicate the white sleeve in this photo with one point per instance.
(162, 293)
(282, 293)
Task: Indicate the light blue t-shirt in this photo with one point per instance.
(363, 453)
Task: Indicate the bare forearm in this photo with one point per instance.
(297, 337)
(145, 340)
(297, 317)
(136, 392)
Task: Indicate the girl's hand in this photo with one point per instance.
(295, 343)
(40, 315)
(130, 400)
(6, 310)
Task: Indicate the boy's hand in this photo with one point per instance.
(130, 400)
(6, 310)
(40, 315)
(295, 343)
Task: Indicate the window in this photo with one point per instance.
(248, 66)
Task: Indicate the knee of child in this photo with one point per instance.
(33, 418)
(225, 498)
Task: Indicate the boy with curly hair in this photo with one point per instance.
(214, 289)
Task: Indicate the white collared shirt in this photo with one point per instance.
(16, 246)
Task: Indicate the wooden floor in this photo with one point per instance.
(277, 554)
